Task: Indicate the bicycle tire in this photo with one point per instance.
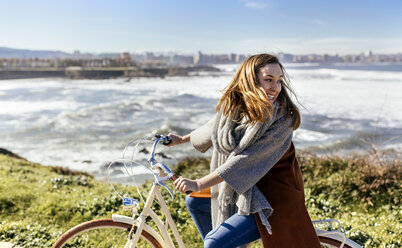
(329, 242)
(81, 232)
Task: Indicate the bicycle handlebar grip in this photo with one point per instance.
(167, 141)
(174, 177)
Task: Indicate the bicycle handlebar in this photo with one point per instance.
(165, 140)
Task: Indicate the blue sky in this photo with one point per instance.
(210, 26)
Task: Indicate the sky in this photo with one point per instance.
(210, 26)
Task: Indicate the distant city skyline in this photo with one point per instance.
(216, 27)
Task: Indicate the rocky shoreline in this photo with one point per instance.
(10, 153)
(77, 72)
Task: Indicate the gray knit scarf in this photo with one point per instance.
(231, 138)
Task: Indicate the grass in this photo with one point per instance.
(38, 203)
(364, 196)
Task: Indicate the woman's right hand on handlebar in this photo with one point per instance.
(186, 185)
(177, 139)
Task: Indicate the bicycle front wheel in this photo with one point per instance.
(103, 233)
(331, 243)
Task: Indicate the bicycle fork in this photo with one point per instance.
(140, 221)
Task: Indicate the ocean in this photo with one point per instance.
(85, 124)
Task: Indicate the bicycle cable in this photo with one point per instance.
(123, 161)
(132, 164)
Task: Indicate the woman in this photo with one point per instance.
(256, 183)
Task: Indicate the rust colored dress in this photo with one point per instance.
(290, 221)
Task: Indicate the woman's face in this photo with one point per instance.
(270, 77)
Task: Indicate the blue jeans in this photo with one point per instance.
(235, 231)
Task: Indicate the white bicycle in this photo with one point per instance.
(133, 231)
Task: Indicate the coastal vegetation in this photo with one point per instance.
(38, 203)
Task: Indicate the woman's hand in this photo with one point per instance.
(177, 139)
(184, 185)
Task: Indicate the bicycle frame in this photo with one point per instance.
(137, 228)
(163, 238)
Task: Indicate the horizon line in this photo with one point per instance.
(192, 53)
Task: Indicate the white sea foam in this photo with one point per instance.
(26, 107)
(303, 135)
(354, 99)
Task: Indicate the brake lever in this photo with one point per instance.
(160, 180)
(166, 187)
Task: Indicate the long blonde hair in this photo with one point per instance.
(244, 92)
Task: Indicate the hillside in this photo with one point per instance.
(38, 203)
(6, 52)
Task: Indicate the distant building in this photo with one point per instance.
(181, 59)
(149, 57)
(126, 57)
(284, 57)
(151, 60)
(232, 58)
(240, 58)
(198, 58)
(368, 53)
